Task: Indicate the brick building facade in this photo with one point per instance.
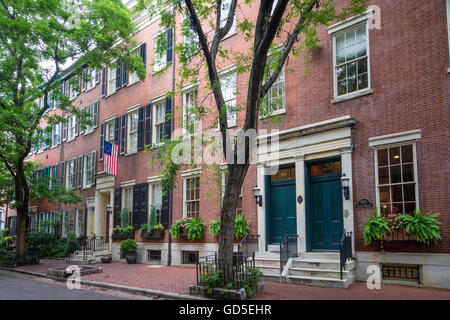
(372, 107)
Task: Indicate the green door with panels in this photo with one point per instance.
(281, 204)
(324, 205)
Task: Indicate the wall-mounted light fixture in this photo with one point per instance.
(109, 208)
(258, 196)
(345, 182)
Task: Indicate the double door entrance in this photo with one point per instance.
(323, 199)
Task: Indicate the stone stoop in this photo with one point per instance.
(320, 269)
(77, 257)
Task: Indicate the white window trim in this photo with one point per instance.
(393, 140)
(227, 71)
(350, 22)
(338, 29)
(157, 67)
(84, 178)
(128, 183)
(150, 195)
(189, 175)
(187, 89)
(113, 121)
(111, 70)
(156, 101)
(90, 129)
(129, 115)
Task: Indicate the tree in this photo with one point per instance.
(38, 40)
(295, 21)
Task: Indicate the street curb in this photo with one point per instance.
(147, 292)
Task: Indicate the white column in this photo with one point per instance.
(261, 210)
(346, 159)
(301, 210)
(98, 212)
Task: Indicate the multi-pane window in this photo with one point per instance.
(74, 89)
(274, 100)
(160, 120)
(192, 197)
(351, 60)
(189, 110)
(132, 131)
(153, 255)
(156, 200)
(128, 202)
(72, 127)
(70, 174)
(111, 80)
(53, 176)
(93, 77)
(87, 170)
(397, 181)
(228, 84)
(109, 136)
(91, 118)
(160, 55)
(225, 9)
(133, 77)
(56, 134)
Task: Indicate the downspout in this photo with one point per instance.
(169, 251)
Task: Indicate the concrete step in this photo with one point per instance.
(80, 257)
(267, 254)
(272, 277)
(321, 255)
(328, 264)
(318, 281)
(268, 269)
(79, 261)
(318, 273)
(269, 262)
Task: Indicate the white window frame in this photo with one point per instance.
(231, 117)
(91, 116)
(72, 92)
(132, 133)
(111, 83)
(281, 80)
(70, 174)
(78, 220)
(185, 201)
(109, 130)
(160, 61)
(56, 134)
(161, 122)
(133, 76)
(72, 130)
(224, 17)
(151, 200)
(92, 74)
(87, 170)
(188, 116)
(128, 191)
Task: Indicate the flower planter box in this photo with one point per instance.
(155, 234)
(399, 235)
(118, 236)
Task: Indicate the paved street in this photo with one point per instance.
(15, 286)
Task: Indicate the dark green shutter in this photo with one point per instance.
(143, 53)
(117, 131)
(140, 133)
(143, 203)
(102, 140)
(165, 210)
(148, 125)
(168, 124)
(104, 82)
(124, 75)
(123, 134)
(136, 206)
(117, 206)
(169, 38)
(118, 75)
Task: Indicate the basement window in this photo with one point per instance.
(190, 257)
(154, 255)
(401, 272)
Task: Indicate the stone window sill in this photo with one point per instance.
(353, 95)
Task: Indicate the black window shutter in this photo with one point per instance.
(117, 131)
(165, 209)
(118, 75)
(117, 205)
(169, 38)
(136, 206)
(80, 171)
(168, 124)
(140, 137)
(143, 202)
(102, 140)
(123, 134)
(61, 172)
(148, 125)
(143, 53)
(104, 82)
(124, 75)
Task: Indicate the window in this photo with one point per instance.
(156, 200)
(160, 120)
(74, 88)
(163, 48)
(154, 255)
(133, 77)
(79, 227)
(56, 134)
(127, 202)
(192, 197)
(190, 38)
(112, 74)
(189, 111)
(91, 117)
(225, 9)
(190, 257)
(109, 136)
(396, 178)
(87, 170)
(70, 174)
(274, 101)
(132, 131)
(224, 183)
(72, 127)
(228, 84)
(64, 223)
(93, 76)
(351, 60)
(53, 176)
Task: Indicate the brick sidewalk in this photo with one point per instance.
(177, 279)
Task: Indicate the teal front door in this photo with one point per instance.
(324, 205)
(281, 205)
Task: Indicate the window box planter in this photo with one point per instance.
(155, 234)
(398, 235)
(116, 235)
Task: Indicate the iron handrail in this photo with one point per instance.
(244, 244)
(89, 245)
(345, 250)
(285, 246)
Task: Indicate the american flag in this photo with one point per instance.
(110, 158)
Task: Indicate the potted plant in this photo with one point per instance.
(376, 228)
(240, 226)
(193, 228)
(124, 230)
(128, 248)
(153, 229)
(424, 228)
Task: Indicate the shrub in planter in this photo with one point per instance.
(240, 226)
(376, 228)
(152, 232)
(120, 232)
(194, 228)
(424, 228)
(128, 248)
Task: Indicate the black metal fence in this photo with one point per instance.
(248, 245)
(88, 245)
(243, 269)
(345, 251)
(288, 249)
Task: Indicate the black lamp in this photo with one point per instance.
(258, 196)
(345, 181)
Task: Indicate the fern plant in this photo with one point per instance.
(214, 227)
(195, 228)
(376, 228)
(240, 226)
(424, 228)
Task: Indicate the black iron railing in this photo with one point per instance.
(248, 245)
(88, 245)
(345, 251)
(288, 249)
(242, 269)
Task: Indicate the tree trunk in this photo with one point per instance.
(236, 176)
(21, 191)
